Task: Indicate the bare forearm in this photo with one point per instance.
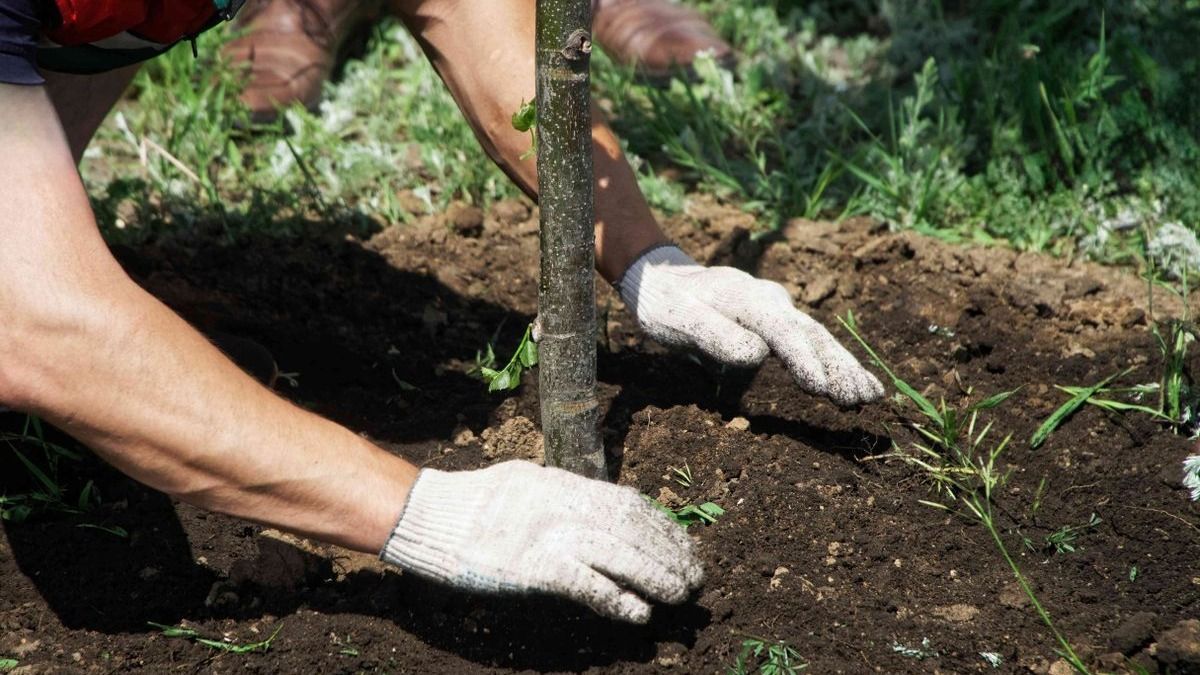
(84, 347)
(148, 393)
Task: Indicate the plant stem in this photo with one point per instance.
(1068, 652)
(566, 294)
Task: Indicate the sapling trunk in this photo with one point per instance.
(566, 294)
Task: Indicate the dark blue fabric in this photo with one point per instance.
(19, 26)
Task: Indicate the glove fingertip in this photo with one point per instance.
(629, 607)
(877, 390)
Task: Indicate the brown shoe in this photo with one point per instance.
(292, 46)
(658, 37)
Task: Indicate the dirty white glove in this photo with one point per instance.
(737, 319)
(516, 527)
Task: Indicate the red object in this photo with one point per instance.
(162, 21)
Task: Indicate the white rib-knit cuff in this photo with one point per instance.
(667, 255)
(433, 528)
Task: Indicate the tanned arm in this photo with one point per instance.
(85, 348)
(484, 53)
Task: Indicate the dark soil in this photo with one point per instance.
(823, 545)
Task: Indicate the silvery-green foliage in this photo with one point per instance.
(1191, 475)
(1174, 250)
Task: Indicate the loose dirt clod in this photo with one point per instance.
(517, 438)
(738, 424)
(281, 562)
(466, 220)
(956, 613)
(1179, 647)
(668, 498)
(1134, 633)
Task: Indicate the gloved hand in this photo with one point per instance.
(516, 527)
(737, 319)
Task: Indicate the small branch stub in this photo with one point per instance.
(579, 45)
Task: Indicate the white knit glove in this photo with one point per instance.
(737, 319)
(516, 527)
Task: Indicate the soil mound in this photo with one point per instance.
(822, 544)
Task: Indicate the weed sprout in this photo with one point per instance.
(962, 464)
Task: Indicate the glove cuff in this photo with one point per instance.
(658, 254)
(433, 527)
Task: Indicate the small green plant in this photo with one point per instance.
(945, 426)
(912, 176)
(220, 645)
(925, 651)
(1063, 539)
(345, 646)
(8, 664)
(48, 493)
(706, 513)
(1177, 401)
(508, 377)
(767, 657)
(1133, 572)
(525, 119)
(1037, 498)
(992, 658)
(963, 468)
(1092, 396)
(683, 476)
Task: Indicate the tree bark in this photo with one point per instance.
(567, 294)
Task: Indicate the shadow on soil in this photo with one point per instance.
(352, 326)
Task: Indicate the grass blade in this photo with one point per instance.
(927, 408)
(993, 401)
(1067, 409)
(52, 488)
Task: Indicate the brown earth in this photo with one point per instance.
(823, 544)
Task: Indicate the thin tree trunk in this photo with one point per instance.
(567, 294)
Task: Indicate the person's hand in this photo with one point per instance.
(516, 527)
(737, 319)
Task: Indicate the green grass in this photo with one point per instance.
(1178, 400)
(180, 154)
(1046, 126)
(48, 491)
(682, 476)
(1067, 127)
(1065, 539)
(767, 657)
(218, 645)
(964, 468)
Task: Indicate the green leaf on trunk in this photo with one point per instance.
(526, 116)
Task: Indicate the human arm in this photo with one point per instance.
(85, 348)
(484, 52)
